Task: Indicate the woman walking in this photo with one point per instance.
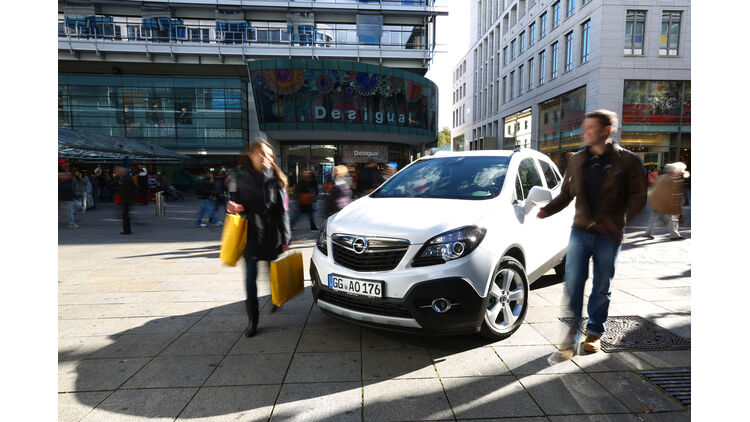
(260, 198)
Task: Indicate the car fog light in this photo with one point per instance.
(441, 305)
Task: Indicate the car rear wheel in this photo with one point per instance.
(508, 300)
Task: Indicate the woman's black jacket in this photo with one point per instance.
(262, 196)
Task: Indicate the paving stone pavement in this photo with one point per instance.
(150, 328)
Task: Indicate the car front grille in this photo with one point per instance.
(380, 254)
(370, 306)
(369, 261)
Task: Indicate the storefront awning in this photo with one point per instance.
(97, 148)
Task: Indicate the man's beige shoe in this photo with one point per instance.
(592, 344)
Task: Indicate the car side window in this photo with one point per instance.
(529, 176)
(549, 174)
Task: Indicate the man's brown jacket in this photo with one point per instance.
(622, 197)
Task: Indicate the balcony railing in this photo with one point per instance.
(253, 34)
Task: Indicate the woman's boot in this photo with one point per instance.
(251, 306)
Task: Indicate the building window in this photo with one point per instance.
(555, 54)
(543, 25)
(542, 65)
(532, 34)
(670, 33)
(585, 30)
(505, 92)
(531, 74)
(513, 50)
(512, 77)
(569, 51)
(522, 42)
(585, 2)
(571, 7)
(635, 22)
(520, 80)
(505, 56)
(555, 15)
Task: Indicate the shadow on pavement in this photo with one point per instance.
(200, 365)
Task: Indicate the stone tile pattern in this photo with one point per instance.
(150, 327)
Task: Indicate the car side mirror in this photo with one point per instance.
(539, 195)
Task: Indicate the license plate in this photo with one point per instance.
(357, 287)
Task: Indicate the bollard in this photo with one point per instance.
(159, 204)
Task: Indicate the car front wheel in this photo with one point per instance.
(508, 300)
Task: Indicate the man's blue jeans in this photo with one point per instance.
(207, 206)
(583, 246)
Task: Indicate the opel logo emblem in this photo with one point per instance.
(359, 245)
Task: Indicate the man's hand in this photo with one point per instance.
(542, 213)
(234, 208)
(284, 247)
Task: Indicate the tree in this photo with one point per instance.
(444, 137)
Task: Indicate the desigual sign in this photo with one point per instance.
(352, 154)
(314, 94)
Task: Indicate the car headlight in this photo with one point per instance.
(449, 246)
(322, 243)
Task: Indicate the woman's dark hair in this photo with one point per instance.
(255, 147)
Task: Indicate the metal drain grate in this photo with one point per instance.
(635, 333)
(675, 382)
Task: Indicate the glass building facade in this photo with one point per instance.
(180, 113)
(656, 121)
(559, 128)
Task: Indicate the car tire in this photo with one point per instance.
(510, 292)
(560, 268)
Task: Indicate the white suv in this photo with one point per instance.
(448, 245)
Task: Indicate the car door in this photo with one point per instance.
(558, 225)
(533, 237)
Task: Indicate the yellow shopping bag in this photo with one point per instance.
(287, 277)
(233, 239)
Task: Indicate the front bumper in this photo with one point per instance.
(413, 312)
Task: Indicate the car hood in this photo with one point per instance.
(415, 219)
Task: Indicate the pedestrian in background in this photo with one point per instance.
(231, 183)
(341, 191)
(666, 198)
(66, 194)
(305, 191)
(143, 186)
(370, 178)
(607, 182)
(89, 191)
(220, 188)
(652, 176)
(260, 198)
(127, 192)
(79, 187)
(205, 191)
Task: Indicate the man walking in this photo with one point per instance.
(66, 194)
(608, 184)
(126, 197)
(205, 189)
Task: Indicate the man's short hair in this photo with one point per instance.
(605, 118)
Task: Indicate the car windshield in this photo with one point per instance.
(448, 177)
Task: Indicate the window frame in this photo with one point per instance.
(635, 20)
(555, 56)
(543, 25)
(568, 51)
(522, 42)
(664, 48)
(542, 66)
(556, 14)
(532, 34)
(531, 74)
(571, 8)
(585, 41)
